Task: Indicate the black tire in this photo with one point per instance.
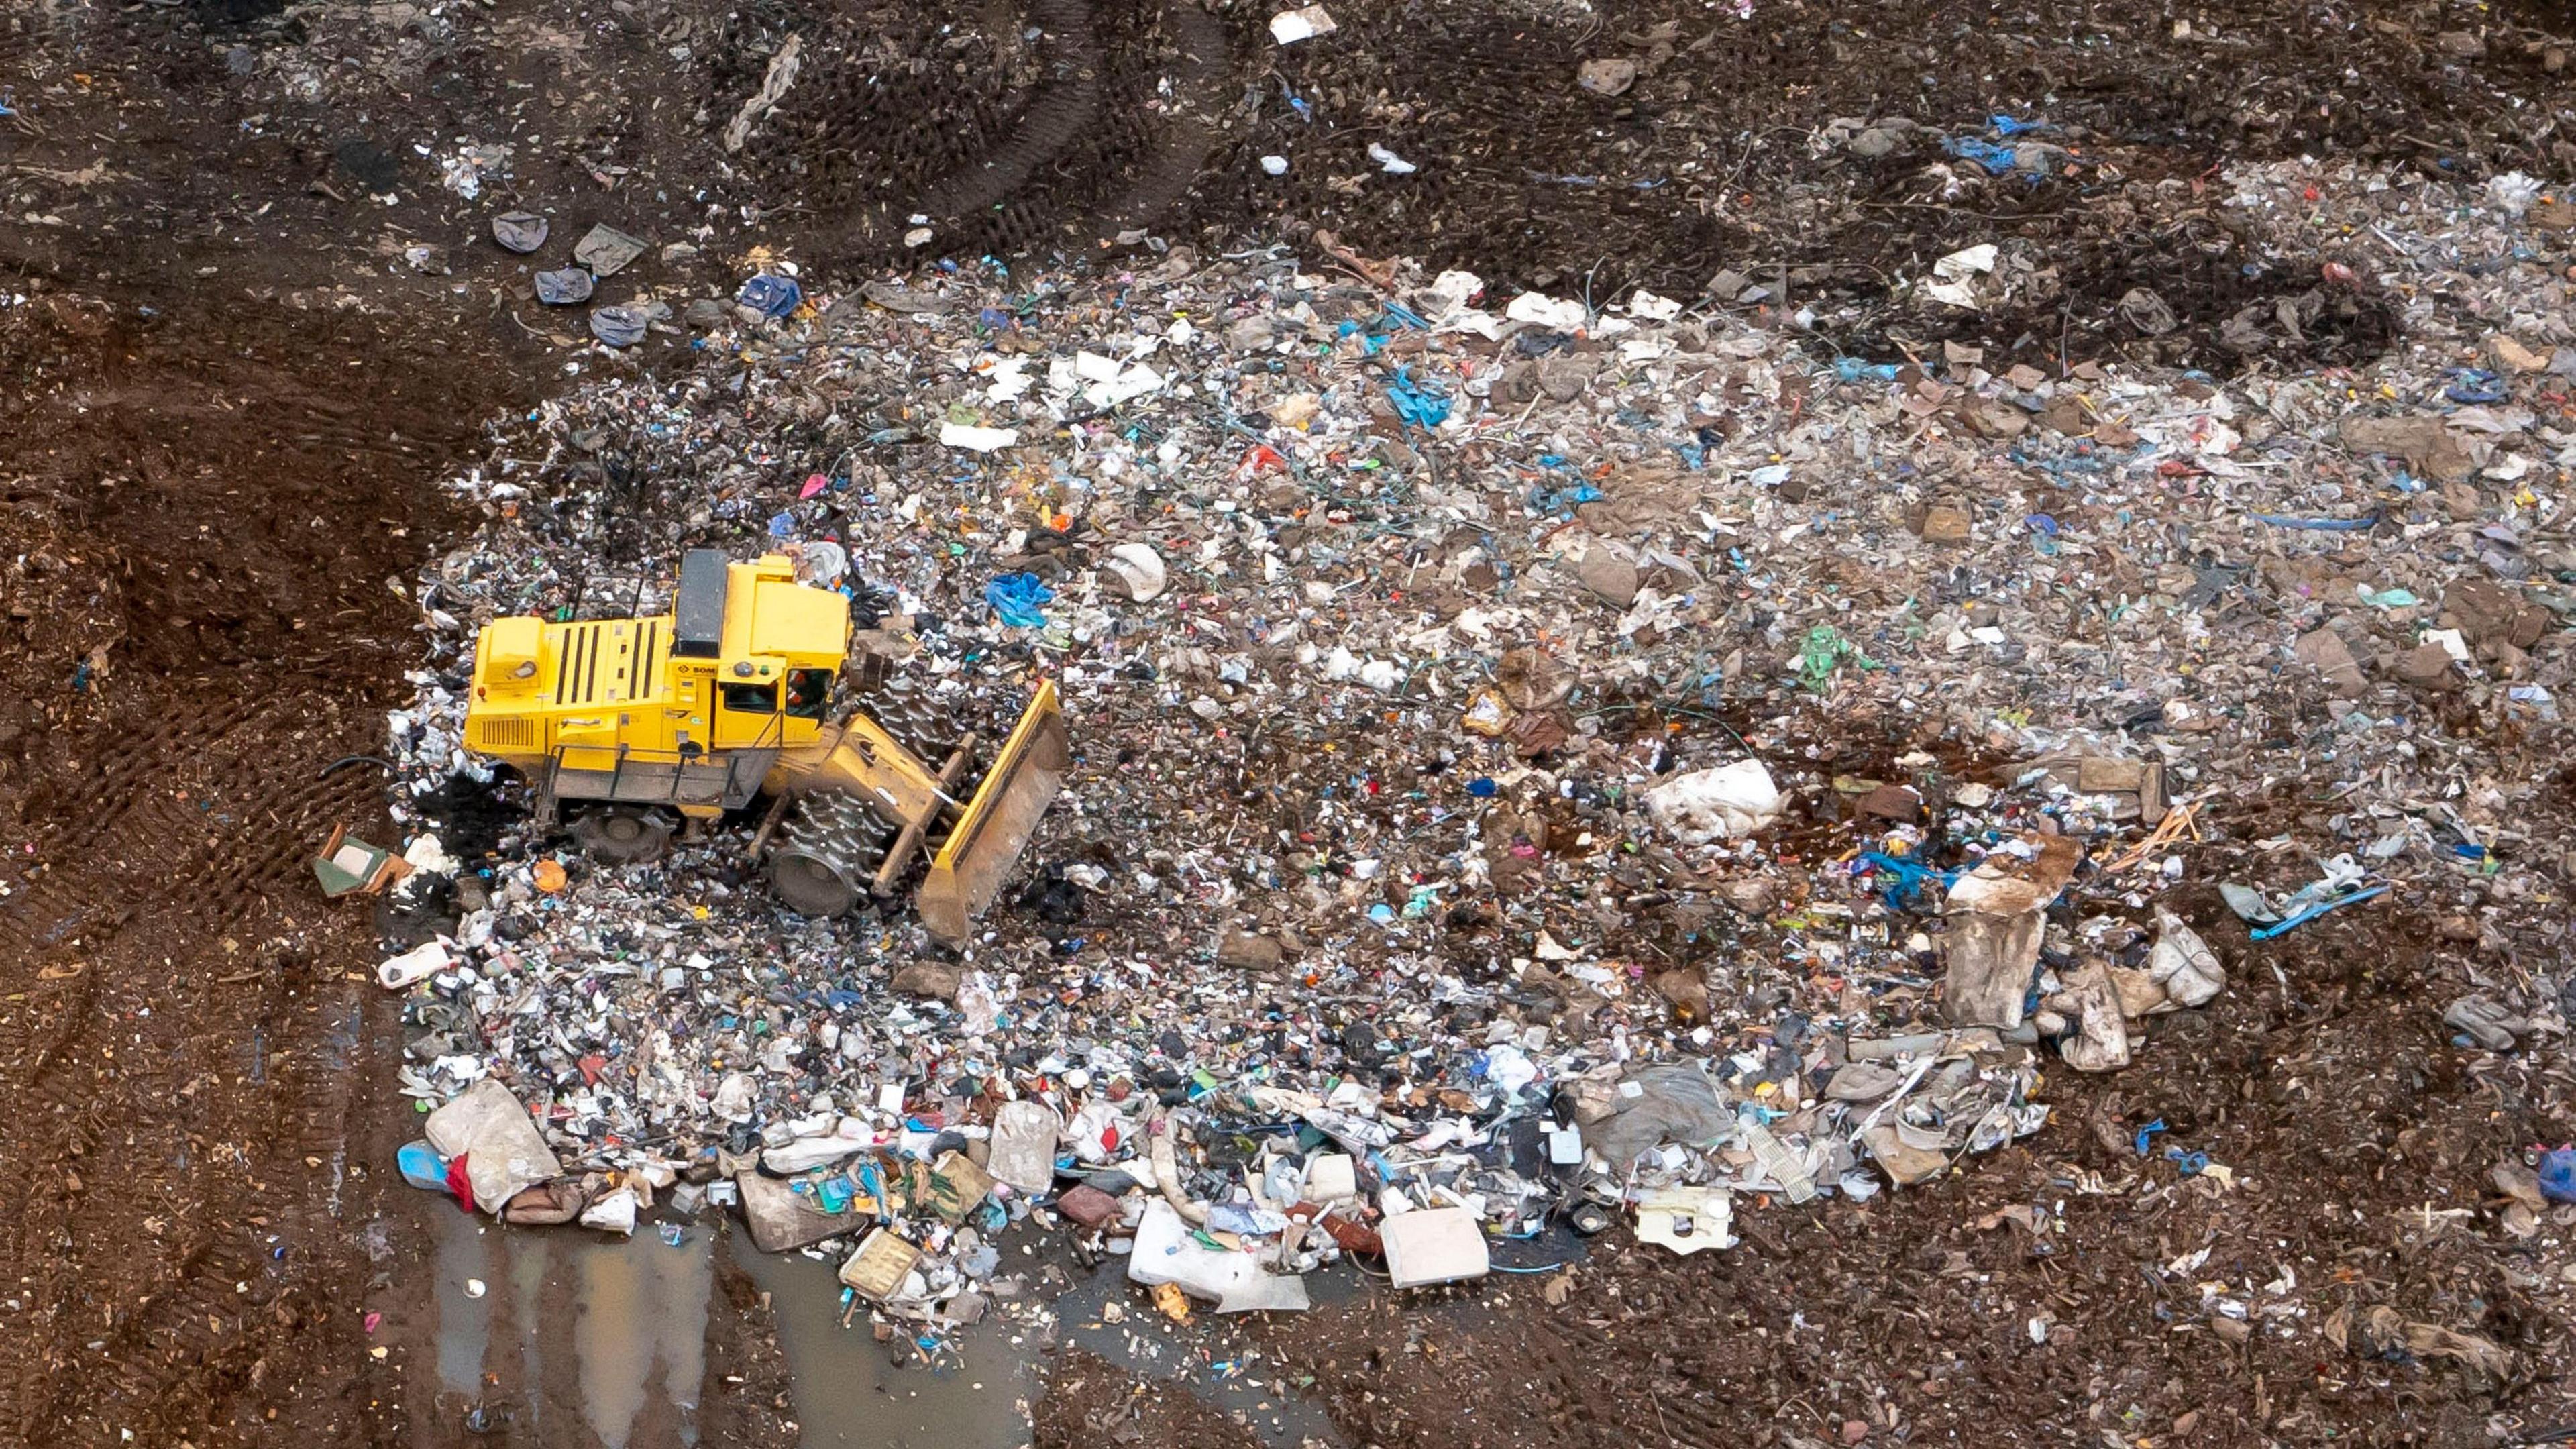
(623, 834)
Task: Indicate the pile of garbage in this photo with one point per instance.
(1537, 764)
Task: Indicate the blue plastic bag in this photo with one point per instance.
(421, 1166)
(2558, 1174)
(2475, 385)
(1019, 599)
(771, 296)
(1995, 157)
(1905, 877)
(1421, 406)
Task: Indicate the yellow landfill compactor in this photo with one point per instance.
(626, 727)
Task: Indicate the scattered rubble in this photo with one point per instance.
(1476, 825)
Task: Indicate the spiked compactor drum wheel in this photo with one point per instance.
(828, 853)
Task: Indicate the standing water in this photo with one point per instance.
(637, 1328)
(852, 1392)
(631, 1363)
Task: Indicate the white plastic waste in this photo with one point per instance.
(614, 1213)
(1546, 311)
(1434, 1245)
(1687, 1219)
(1956, 274)
(2183, 964)
(504, 1153)
(414, 966)
(977, 440)
(804, 1154)
(1331, 1176)
(1165, 1252)
(1140, 569)
(1726, 803)
(1290, 26)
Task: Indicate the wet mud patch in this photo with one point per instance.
(1090, 1401)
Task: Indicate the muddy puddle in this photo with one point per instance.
(610, 1335)
(1217, 1367)
(534, 1325)
(852, 1392)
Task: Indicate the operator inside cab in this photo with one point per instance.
(808, 692)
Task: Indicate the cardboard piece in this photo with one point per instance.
(878, 1268)
(1434, 1245)
(1997, 915)
(955, 1186)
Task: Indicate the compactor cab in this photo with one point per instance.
(628, 728)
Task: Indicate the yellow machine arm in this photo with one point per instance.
(860, 783)
(989, 837)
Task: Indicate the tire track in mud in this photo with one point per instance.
(234, 1283)
(205, 1123)
(179, 1033)
(1068, 105)
(1110, 130)
(243, 1097)
(1190, 131)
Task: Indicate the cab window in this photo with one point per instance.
(751, 698)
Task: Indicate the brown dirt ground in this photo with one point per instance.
(1091, 1401)
(203, 511)
(228, 393)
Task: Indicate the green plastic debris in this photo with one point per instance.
(1823, 653)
